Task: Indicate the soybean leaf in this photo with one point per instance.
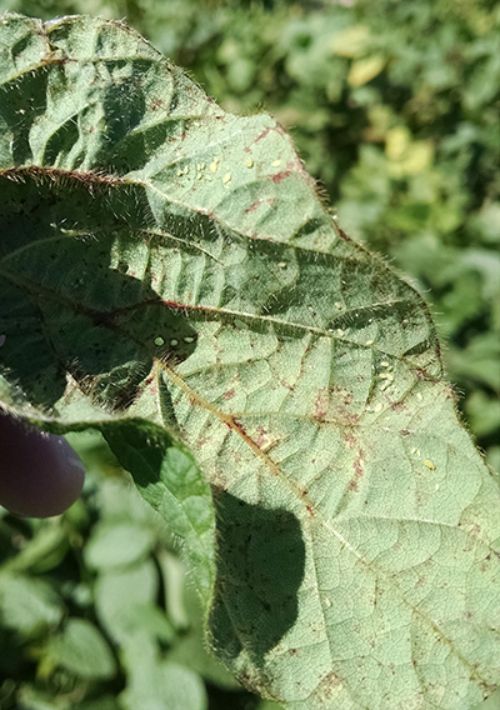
(170, 276)
(82, 650)
(28, 606)
(121, 595)
(118, 544)
(155, 683)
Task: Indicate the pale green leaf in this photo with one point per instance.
(118, 544)
(82, 650)
(42, 552)
(28, 606)
(155, 684)
(170, 276)
(121, 594)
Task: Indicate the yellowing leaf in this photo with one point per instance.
(351, 42)
(364, 70)
(397, 142)
(407, 157)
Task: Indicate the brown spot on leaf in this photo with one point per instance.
(263, 134)
(234, 423)
(262, 436)
(359, 471)
(156, 104)
(349, 439)
(279, 177)
(321, 404)
(269, 201)
(329, 686)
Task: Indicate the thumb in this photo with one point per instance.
(40, 474)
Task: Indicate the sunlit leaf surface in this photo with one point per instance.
(169, 275)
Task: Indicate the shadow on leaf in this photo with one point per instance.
(260, 567)
(101, 326)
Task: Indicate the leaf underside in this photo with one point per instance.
(170, 276)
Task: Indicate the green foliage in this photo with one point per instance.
(78, 633)
(408, 118)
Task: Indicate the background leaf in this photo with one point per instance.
(82, 650)
(28, 606)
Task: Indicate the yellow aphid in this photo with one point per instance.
(429, 464)
(227, 178)
(249, 163)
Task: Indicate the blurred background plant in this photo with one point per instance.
(394, 107)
